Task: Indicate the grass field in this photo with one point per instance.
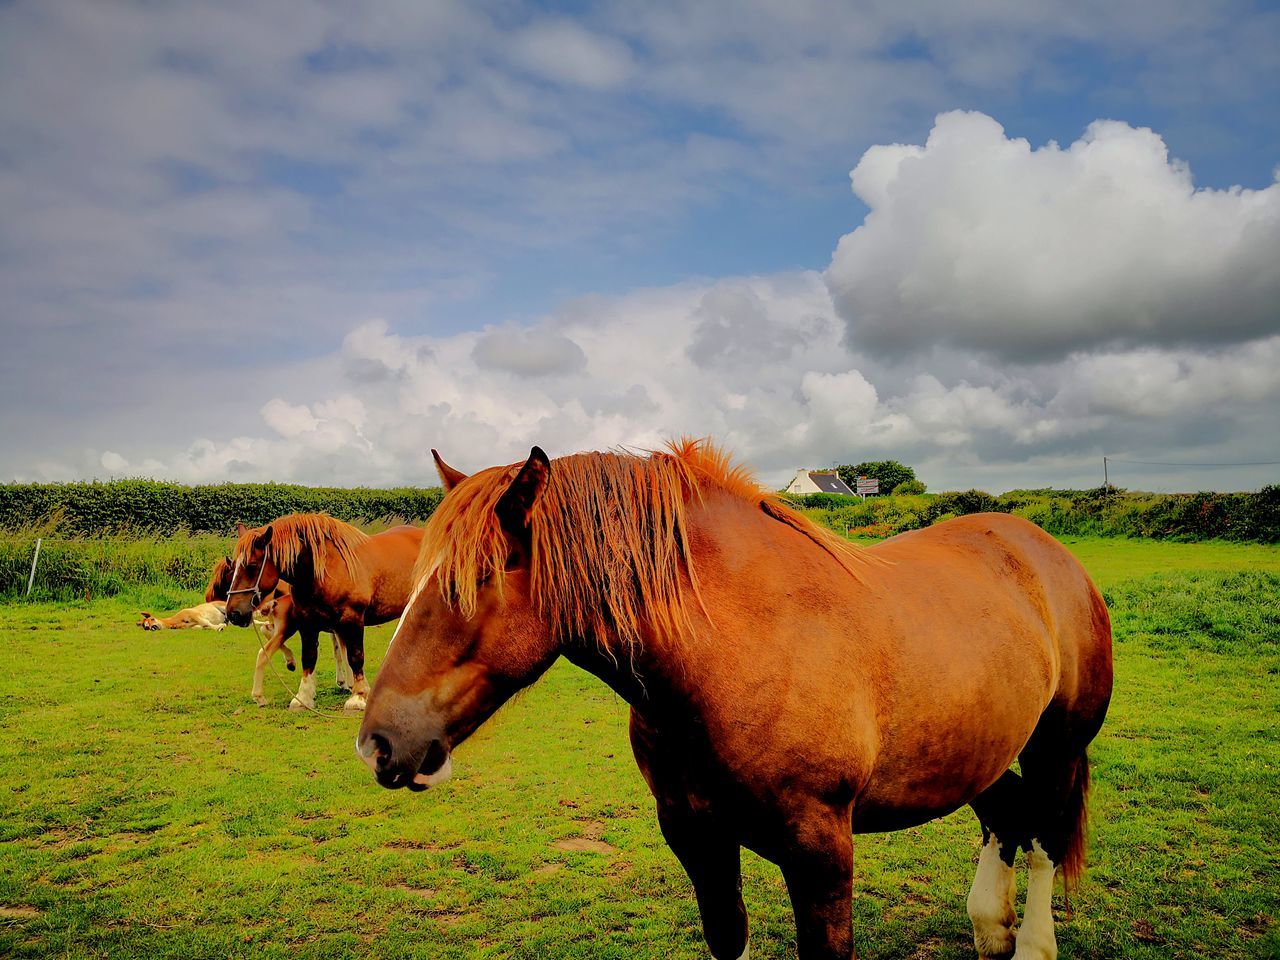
(152, 810)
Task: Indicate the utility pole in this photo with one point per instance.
(1106, 481)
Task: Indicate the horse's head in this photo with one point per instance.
(148, 622)
(254, 574)
(219, 580)
(471, 635)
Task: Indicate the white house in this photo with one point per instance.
(818, 481)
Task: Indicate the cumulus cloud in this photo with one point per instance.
(980, 241)
(642, 369)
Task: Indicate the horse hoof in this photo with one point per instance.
(296, 704)
(354, 705)
(998, 947)
(260, 701)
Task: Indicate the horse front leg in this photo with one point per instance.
(306, 696)
(817, 864)
(279, 634)
(352, 637)
(259, 669)
(712, 858)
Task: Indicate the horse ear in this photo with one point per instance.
(449, 477)
(516, 504)
(240, 527)
(264, 537)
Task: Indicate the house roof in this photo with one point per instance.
(829, 482)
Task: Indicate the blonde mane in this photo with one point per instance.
(291, 534)
(609, 537)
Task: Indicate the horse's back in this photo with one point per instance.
(919, 680)
(1013, 557)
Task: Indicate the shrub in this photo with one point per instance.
(890, 473)
(909, 487)
(1247, 517)
(149, 507)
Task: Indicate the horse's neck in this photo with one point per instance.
(659, 676)
(300, 574)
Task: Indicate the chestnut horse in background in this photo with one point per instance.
(340, 580)
(787, 689)
(281, 620)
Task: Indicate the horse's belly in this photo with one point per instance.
(927, 768)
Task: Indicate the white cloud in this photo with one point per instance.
(979, 241)
(199, 202)
(566, 52)
(641, 371)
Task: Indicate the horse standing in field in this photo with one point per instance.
(277, 613)
(340, 580)
(787, 689)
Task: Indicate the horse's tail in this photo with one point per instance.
(1075, 823)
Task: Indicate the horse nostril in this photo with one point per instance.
(381, 752)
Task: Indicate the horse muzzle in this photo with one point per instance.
(238, 619)
(394, 769)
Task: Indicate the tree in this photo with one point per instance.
(890, 473)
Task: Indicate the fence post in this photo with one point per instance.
(34, 560)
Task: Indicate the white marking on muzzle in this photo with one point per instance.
(437, 778)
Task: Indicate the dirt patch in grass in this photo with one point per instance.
(424, 893)
(584, 845)
(19, 913)
(400, 844)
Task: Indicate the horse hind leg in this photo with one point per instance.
(1057, 784)
(352, 638)
(341, 669)
(993, 895)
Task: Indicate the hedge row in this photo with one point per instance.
(1246, 517)
(149, 507)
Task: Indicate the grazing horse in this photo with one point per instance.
(340, 580)
(788, 690)
(277, 614)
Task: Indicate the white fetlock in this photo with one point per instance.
(991, 904)
(1036, 940)
(306, 698)
(355, 703)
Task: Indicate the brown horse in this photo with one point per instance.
(787, 690)
(276, 613)
(340, 580)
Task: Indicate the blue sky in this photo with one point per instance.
(242, 240)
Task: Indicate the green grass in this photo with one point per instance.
(152, 810)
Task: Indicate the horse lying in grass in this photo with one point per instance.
(203, 616)
(340, 579)
(276, 615)
(788, 690)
